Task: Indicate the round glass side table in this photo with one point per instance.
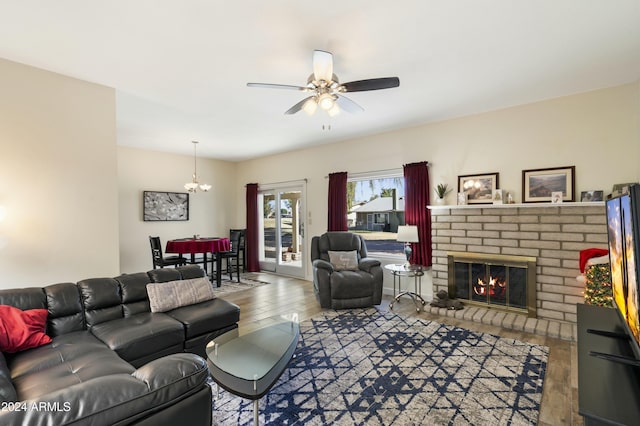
(411, 271)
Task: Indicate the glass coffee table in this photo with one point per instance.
(248, 365)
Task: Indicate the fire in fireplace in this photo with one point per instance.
(494, 281)
(495, 288)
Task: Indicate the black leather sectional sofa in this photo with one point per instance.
(112, 361)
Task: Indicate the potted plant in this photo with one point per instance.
(441, 191)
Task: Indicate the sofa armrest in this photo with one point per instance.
(323, 264)
(367, 263)
(185, 369)
(117, 398)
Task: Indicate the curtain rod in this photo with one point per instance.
(282, 182)
(375, 172)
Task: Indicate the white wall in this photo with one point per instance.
(211, 213)
(58, 185)
(598, 132)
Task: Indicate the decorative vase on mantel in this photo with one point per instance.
(439, 201)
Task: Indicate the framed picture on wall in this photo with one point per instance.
(538, 185)
(165, 206)
(479, 188)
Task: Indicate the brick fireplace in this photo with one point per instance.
(551, 234)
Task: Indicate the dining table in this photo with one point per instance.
(204, 246)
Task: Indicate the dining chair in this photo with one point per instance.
(161, 261)
(242, 253)
(233, 255)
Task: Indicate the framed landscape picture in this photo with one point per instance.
(538, 185)
(478, 188)
(165, 206)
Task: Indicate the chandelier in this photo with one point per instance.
(194, 184)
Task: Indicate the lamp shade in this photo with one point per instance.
(408, 233)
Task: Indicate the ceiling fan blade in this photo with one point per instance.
(297, 107)
(348, 105)
(277, 86)
(322, 65)
(371, 84)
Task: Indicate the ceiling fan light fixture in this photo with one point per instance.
(326, 101)
(310, 106)
(326, 90)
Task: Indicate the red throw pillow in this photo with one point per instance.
(21, 330)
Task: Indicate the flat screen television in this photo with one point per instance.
(623, 226)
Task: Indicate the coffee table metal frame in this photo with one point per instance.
(248, 365)
(404, 270)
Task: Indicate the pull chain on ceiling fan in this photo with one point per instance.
(326, 90)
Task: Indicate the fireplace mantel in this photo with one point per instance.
(511, 206)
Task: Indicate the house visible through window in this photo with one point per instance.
(375, 209)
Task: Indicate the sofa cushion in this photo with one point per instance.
(70, 359)
(188, 272)
(140, 335)
(7, 391)
(164, 275)
(344, 260)
(65, 309)
(101, 299)
(207, 316)
(21, 330)
(124, 398)
(24, 298)
(134, 293)
(174, 294)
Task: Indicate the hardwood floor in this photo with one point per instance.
(287, 295)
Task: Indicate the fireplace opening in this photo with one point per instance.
(494, 281)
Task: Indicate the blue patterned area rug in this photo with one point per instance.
(364, 367)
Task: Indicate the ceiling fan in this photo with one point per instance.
(327, 91)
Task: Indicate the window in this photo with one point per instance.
(375, 209)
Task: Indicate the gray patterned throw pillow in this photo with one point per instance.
(174, 294)
(344, 260)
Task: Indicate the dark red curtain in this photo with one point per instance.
(251, 238)
(337, 214)
(416, 200)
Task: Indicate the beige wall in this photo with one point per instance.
(598, 132)
(58, 184)
(210, 213)
(71, 200)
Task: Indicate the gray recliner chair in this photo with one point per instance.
(353, 280)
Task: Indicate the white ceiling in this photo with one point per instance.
(180, 68)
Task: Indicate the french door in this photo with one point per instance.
(282, 247)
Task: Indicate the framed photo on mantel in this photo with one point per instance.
(478, 188)
(539, 185)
